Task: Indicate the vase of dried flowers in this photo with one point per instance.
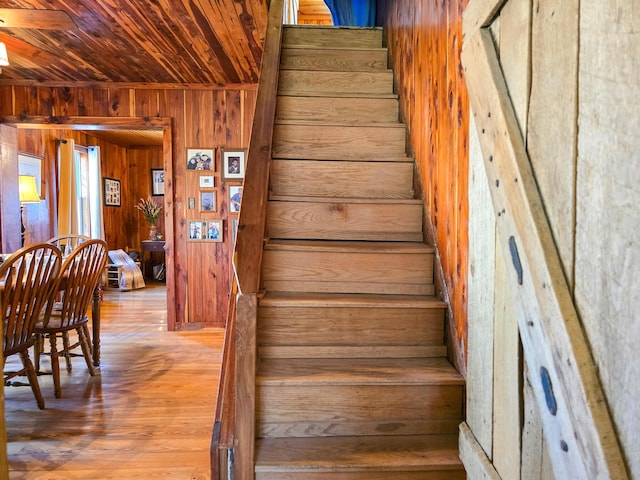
(151, 210)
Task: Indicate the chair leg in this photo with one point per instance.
(33, 378)
(67, 350)
(55, 365)
(83, 335)
(37, 351)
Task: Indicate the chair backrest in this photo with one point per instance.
(79, 276)
(68, 243)
(29, 278)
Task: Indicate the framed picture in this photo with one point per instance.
(214, 230)
(200, 159)
(195, 230)
(111, 192)
(207, 181)
(207, 201)
(157, 182)
(235, 197)
(233, 163)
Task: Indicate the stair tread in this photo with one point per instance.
(388, 453)
(349, 246)
(356, 300)
(361, 371)
(387, 158)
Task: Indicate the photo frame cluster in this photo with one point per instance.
(203, 190)
(206, 230)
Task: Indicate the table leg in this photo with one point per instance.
(95, 321)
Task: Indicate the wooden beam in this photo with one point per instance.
(88, 123)
(136, 85)
(578, 428)
(476, 463)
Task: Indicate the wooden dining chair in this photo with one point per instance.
(68, 243)
(28, 280)
(79, 275)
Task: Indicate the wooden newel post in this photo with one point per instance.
(246, 320)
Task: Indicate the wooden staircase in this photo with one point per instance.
(352, 378)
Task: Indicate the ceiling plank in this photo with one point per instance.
(38, 19)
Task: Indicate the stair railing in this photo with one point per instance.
(234, 422)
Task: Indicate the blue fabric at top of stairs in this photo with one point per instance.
(358, 13)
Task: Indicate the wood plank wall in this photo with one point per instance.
(424, 40)
(206, 118)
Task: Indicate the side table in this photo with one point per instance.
(150, 246)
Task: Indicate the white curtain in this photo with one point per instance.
(96, 194)
(67, 184)
(69, 177)
(290, 12)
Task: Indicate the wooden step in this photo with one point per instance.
(344, 219)
(328, 142)
(357, 396)
(336, 110)
(342, 179)
(332, 37)
(333, 59)
(342, 325)
(424, 457)
(348, 267)
(302, 82)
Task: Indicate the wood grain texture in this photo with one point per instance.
(170, 42)
(593, 448)
(424, 40)
(607, 238)
(150, 403)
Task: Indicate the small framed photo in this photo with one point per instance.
(195, 230)
(208, 201)
(233, 163)
(200, 159)
(157, 182)
(213, 230)
(207, 181)
(111, 192)
(235, 198)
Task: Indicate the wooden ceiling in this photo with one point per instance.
(212, 42)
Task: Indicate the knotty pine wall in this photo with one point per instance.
(204, 118)
(424, 40)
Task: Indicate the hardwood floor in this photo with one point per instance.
(148, 413)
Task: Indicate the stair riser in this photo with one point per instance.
(350, 326)
(344, 221)
(445, 426)
(328, 37)
(333, 59)
(295, 82)
(336, 110)
(351, 404)
(342, 179)
(343, 272)
(338, 143)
